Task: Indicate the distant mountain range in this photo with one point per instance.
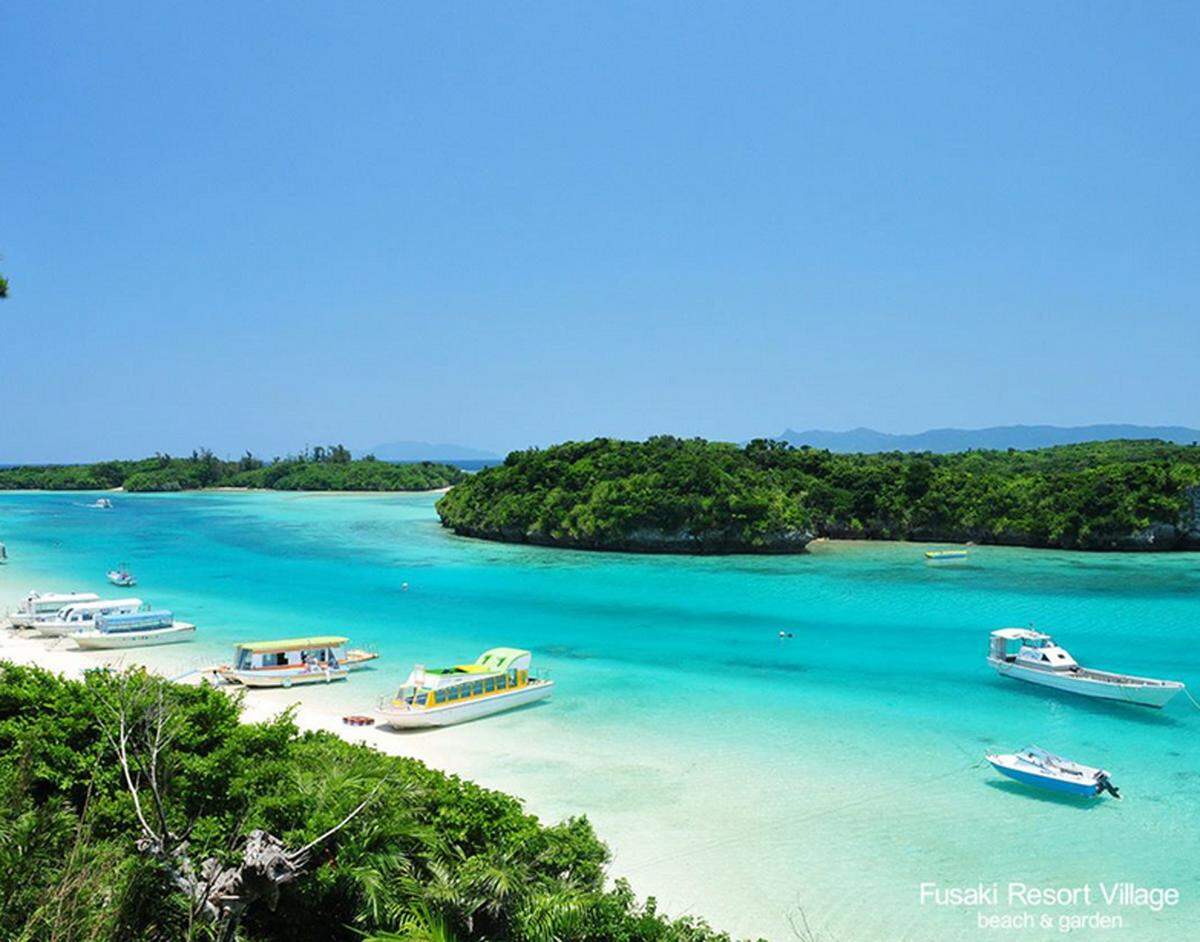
(1000, 436)
(425, 451)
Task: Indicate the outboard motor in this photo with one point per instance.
(1105, 785)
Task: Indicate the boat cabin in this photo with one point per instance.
(37, 604)
(1031, 649)
(134, 621)
(322, 651)
(498, 670)
(86, 612)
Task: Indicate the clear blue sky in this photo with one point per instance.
(259, 225)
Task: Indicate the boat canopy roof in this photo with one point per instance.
(502, 659)
(103, 604)
(293, 644)
(1020, 634)
(61, 597)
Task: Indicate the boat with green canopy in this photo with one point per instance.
(498, 680)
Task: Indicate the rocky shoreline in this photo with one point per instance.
(1157, 538)
(648, 540)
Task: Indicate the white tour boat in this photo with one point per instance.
(285, 663)
(498, 680)
(43, 606)
(72, 618)
(1025, 654)
(133, 630)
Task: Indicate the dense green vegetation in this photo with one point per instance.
(668, 494)
(318, 469)
(431, 858)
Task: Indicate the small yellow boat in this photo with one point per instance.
(945, 555)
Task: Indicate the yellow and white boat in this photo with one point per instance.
(498, 680)
(945, 555)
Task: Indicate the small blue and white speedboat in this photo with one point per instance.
(1035, 766)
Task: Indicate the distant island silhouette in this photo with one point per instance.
(1021, 437)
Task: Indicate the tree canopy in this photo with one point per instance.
(323, 468)
(671, 494)
(430, 857)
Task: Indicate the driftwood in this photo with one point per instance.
(140, 727)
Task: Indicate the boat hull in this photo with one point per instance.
(356, 660)
(55, 629)
(1082, 789)
(453, 713)
(284, 679)
(1155, 695)
(116, 640)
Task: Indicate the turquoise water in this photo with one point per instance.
(738, 776)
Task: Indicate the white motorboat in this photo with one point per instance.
(498, 680)
(1025, 654)
(72, 618)
(287, 663)
(133, 630)
(1035, 766)
(101, 503)
(43, 606)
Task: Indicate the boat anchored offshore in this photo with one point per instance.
(498, 680)
(122, 576)
(944, 555)
(317, 660)
(1025, 654)
(73, 618)
(133, 630)
(43, 606)
(1035, 766)
(101, 503)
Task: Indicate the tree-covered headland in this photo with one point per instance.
(135, 810)
(316, 469)
(674, 495)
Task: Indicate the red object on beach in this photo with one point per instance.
(358, 720)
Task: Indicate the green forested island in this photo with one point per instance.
(136, 810)
(316, 469)
(694, 496)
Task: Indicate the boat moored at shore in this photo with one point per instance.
(1037, 767)
(133, 630)
(498, 680)
(287, 662)
(43, 606)
(1025, 654)
(73, 618)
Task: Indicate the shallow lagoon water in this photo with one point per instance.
(737, 776)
